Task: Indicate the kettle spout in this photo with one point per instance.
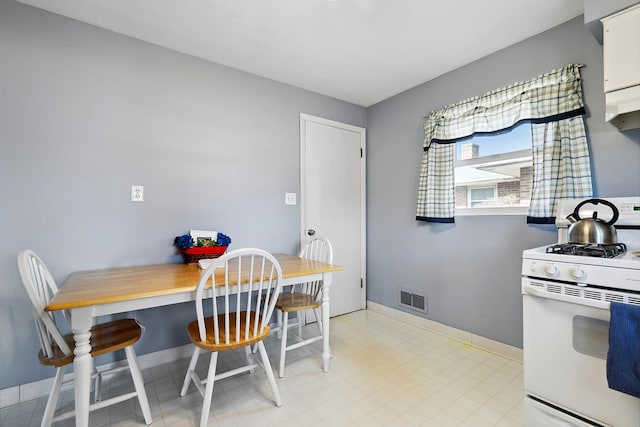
(572, 219)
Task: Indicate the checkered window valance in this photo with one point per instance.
(552, 103)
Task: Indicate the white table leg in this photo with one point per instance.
(81, 322)
(326, 351)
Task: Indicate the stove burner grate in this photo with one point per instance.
(592, 250)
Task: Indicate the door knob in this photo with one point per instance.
(311, 232)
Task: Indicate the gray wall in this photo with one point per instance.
(470, 270)
(86, 113)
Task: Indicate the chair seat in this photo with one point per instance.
(296, 301)
(105, 338)
(210, 345)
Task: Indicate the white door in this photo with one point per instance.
(332, 202)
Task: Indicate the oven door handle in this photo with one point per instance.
(537, 292)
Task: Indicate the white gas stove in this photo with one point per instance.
(617, 272)
(566, 316)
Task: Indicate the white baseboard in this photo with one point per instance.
(34, 390)
(9, 396)
(496, 347)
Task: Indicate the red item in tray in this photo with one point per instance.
(206, 250)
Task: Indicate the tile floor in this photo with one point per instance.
(383, 373)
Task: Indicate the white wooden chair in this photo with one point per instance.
(240, 317)
(302, 297)
(57, 349)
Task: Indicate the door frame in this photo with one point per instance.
(304, 118)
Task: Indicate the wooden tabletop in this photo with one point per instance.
(94, 287)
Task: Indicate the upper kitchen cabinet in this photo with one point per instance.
(622, 49)
(622, 67)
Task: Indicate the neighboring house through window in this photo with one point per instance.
(494, 171)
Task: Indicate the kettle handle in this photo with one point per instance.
(613, 207)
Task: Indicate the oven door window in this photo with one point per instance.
(591, 336)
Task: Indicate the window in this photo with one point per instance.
(561, 168)
(493, 172)
(481, 196)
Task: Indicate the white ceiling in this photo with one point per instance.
(360, 51)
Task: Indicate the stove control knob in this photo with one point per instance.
(577, 273)
(551, 270)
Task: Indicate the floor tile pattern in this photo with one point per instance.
(383, 373)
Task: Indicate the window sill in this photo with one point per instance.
(519, 210)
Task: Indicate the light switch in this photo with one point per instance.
(289, 198)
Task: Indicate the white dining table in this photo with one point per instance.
(89, 294)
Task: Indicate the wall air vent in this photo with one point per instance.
(412, 300)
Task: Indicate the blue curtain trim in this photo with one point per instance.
(562, 116)
(541, 220)
(627, 227)
(431, 219)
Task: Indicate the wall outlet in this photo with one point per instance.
(137, 193)
(289, 198)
